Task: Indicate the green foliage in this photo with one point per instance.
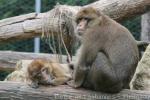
(9, 8)
(83, 2)
(3, 75)
(134, 26)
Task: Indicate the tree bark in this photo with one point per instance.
(145, 34)
(20, 91)
(30, 25)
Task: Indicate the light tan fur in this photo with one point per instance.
(61, 73)
(49, 73)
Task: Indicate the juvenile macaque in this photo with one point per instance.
(108, 55)
(40, 71)
(45, 72)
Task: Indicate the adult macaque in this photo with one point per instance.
(50, 73)
(108, 55)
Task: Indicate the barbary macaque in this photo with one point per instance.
(108, 55)
(40, 71)
(48, 73)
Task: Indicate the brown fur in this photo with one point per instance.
(108, 54)
(44, 72)
(30, 72)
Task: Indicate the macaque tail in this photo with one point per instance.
(142, 45)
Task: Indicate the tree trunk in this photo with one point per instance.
(145, 34)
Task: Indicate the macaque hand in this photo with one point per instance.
(34, 85)
(72, 84)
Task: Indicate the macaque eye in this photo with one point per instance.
(45, 70)
(87, 19)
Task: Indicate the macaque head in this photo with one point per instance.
(86, 18)
(39, 73)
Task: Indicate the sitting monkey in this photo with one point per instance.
(40, 71)
(108, 55)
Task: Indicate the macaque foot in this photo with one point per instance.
(72, 84)
(35, 86)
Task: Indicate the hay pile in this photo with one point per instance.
(61, 20)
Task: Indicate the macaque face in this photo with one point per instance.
(42, 76)
(81, 26)
(39, 74)
(86, 19)
(45, 77)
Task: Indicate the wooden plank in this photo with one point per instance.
(20, 91)
(8, 59)
(15, 19)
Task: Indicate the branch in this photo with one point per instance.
(20, 91)
(122, 9)
(30, 25)
(8, 59)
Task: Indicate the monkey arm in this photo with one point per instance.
(86, 57)
(33, 84)
(59, 81)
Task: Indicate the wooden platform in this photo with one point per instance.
(20, 91)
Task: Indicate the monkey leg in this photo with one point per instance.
(102, 76)
(78, 78)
